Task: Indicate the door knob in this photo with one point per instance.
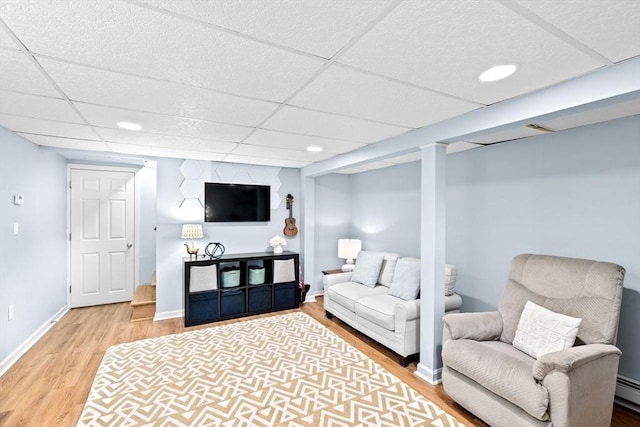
(129, 245)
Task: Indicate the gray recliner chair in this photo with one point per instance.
(504, 386)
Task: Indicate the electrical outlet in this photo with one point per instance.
(16, 228)
(11, 312)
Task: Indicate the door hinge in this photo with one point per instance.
(69, 184)
(69, 236)
(69, 288)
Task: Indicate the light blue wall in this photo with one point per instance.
(33, 264)
(236, 237)
(385, 206)
(574, 193)
(333, 222)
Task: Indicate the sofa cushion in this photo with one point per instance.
(378, 309)
(367, 269)
(501, 369)
(406, 279)
(347, 293)
(541, 331)
(388, 268)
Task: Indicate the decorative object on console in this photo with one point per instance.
(214, 250)
(191, 232)
(277, 243)
(348, 249)
(290, 229)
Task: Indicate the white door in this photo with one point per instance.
(102, 236)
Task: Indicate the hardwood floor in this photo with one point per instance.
(50, 383)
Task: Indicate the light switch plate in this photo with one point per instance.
(16, 228)
(18, 199)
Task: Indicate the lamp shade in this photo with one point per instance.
(349, 248)
(192, 231)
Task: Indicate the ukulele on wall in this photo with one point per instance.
(290, 228)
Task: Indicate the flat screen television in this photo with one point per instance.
(236, 202)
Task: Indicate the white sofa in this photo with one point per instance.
(392, 321)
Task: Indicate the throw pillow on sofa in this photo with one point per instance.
(406, 280)
(367, 270)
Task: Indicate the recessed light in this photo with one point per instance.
(314, 148)
(129, 126)
(498, 72)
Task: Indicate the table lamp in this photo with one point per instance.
(348, 249)
(191, 232)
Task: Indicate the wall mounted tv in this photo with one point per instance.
(236, 202)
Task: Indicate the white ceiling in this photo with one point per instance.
(259, 81)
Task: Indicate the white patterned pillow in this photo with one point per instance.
(367, 270)
(406, 280)
(541, 331)
(450, 277)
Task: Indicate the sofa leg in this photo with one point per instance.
(404, 361)
(329, 315)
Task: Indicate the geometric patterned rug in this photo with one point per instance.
(286, 370)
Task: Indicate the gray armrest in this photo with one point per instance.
(332, 279)
(571, 358)
(473, 326)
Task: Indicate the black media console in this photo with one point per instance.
(237, 285)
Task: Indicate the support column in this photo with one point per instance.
(307, 237)
(432, 253)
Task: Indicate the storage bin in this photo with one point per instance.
(259, 299)
(203, 308)
(232, 302)
(285, 295)
(256, 275)
(230, 278)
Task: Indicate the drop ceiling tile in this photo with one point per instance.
(176, 153)
(127, 37)
(46, 127)
(506, 135)
(175, 142)
(265, 161)
(17, 73)
(123, 91)
(293, 141)
(161, 124)
(298, 120)
(6, 40)
(611, 112)
(446, 45)
(344, 91)
(611, 28)
(279, 153)
(318, 27)
(38, 107)
(76, 144)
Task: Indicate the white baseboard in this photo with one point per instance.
(428, 374)
(16, 354)
(629, 390)
(168, 315)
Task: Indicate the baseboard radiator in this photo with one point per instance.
(628, 393)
